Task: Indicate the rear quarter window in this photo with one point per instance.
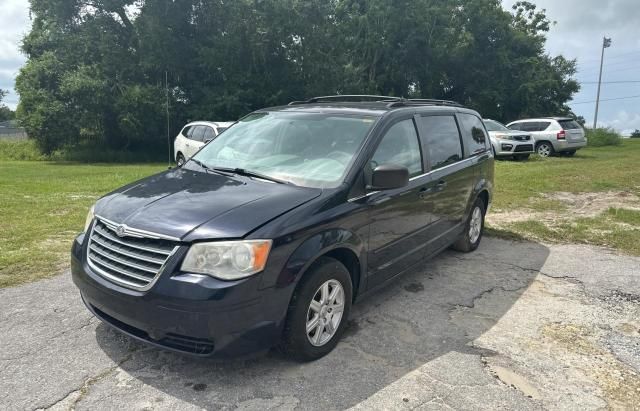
(473, 134)
(569, 124)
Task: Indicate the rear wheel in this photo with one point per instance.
(470, 239)
(180, 160)
(318, 312)
(544, 149)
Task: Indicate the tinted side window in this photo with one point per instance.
(516, 126)
(198, 133)
(187, 130)
(442, 140)
(541, 126)
(400, 146)
(473, 134)
(208, 134)
(529, 126)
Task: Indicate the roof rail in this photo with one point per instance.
(347, 97)
(423, 102)
(393, 101)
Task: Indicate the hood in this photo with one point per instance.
(509, 133)
(190, 205)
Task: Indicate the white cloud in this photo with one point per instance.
(625, 122)
(14, 24)
(580, 26)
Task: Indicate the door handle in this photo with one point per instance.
(441, 185)
(425, 191)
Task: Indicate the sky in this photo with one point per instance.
(580, 26)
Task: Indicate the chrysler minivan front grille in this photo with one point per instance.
(127, 257)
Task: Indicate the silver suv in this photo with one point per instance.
(553, 134)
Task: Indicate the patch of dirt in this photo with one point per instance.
(592, 204)
(619, 382)
(578, 205)
(515, 380)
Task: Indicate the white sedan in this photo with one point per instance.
(195, 135)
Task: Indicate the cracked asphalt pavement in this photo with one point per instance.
(515, 325)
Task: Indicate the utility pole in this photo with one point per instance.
(606, 42)
(166, 89)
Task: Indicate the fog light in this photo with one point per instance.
(507, 147)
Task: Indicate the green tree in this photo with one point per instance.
(96, 69)
(5, 112)
(635, 134)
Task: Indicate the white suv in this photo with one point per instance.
(195, 135)
(553, 134)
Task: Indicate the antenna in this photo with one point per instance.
(166, 87)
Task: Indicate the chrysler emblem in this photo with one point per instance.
(120, 231)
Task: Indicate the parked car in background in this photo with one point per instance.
(194, 135)
(509, 143)
(271, 231)
(552, 135)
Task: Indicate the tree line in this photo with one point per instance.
(95, 74)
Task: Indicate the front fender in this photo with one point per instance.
(318, 245)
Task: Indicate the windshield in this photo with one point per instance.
(493, 125)
(306, 149)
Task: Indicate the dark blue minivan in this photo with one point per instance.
(271, 231)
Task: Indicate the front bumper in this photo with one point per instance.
(188, 313)
(511, 147)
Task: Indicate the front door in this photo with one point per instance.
(398, 218)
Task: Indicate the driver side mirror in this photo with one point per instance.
(388, 177)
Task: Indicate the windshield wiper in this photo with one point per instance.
(248, 173)
(207, 168)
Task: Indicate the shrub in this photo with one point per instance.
(19, 150)
(600, 137)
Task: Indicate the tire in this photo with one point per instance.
(180, 160)
(521, 157)
(545, 149)
(469, 240)
(301, 345)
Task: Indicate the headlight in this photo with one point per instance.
(89, 219)
(503, 136)
(227, 260)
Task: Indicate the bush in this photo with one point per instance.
(600, 137)
(20, 150)
(27, 150)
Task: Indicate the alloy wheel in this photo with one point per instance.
(325, 313)
(475, 225)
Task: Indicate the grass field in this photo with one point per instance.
(43, 206)
(591, 198)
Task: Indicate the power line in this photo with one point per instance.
(610, 82)
(606, 99)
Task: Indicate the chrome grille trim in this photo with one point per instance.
(133, 260)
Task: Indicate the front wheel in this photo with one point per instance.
(470, 239)
(180, 160)
(318, 312)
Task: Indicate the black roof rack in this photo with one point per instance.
(393, 101)
(346, 98)
(423, 102)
